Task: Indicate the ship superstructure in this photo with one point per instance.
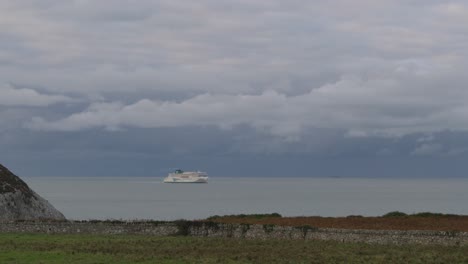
(180, 176)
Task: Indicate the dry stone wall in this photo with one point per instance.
(98, 228)
(241, 231)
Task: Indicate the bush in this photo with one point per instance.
(256, 216)
(429, 214)
(354, 216)
(183, 227)
(394, 214)
(268, 228)
(305, 229)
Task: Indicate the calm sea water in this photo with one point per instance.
(148, 198)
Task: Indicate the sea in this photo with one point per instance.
(140, 198)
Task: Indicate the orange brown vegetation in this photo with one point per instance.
(440, 223)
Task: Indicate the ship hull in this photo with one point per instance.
(176, 180)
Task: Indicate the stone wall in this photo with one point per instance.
(342, 235)
(98, 228)
(210, 229)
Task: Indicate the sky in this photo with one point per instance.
(338, 88)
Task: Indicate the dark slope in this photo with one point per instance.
(19, 202)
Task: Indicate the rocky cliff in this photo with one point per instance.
(19, 202)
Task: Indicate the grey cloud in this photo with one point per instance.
(220, 46)
(457, 151)
(11, 96)
(384, 107)
(428, 149)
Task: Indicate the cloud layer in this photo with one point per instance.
(223, 46)
(322, 77)
(11, 96)
(385, 107)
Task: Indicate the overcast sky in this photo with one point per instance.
(345, 88)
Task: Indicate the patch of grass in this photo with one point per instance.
(41, 248)
(54, 257)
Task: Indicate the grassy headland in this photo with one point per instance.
(389, 221)
(92, 248)
(41, 248)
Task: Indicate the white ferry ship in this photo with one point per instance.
(180, 176)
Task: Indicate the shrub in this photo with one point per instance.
(244, 228)
(183, 227)
(268, 228)
(429, 214)
(257, 216)
(394, 214)
(305, 229)
(354, 216)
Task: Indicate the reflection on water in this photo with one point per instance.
(149, 198)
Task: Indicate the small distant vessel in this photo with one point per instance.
(180, 176)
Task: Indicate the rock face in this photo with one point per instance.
(19, 202)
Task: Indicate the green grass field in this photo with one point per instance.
(40, 248)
